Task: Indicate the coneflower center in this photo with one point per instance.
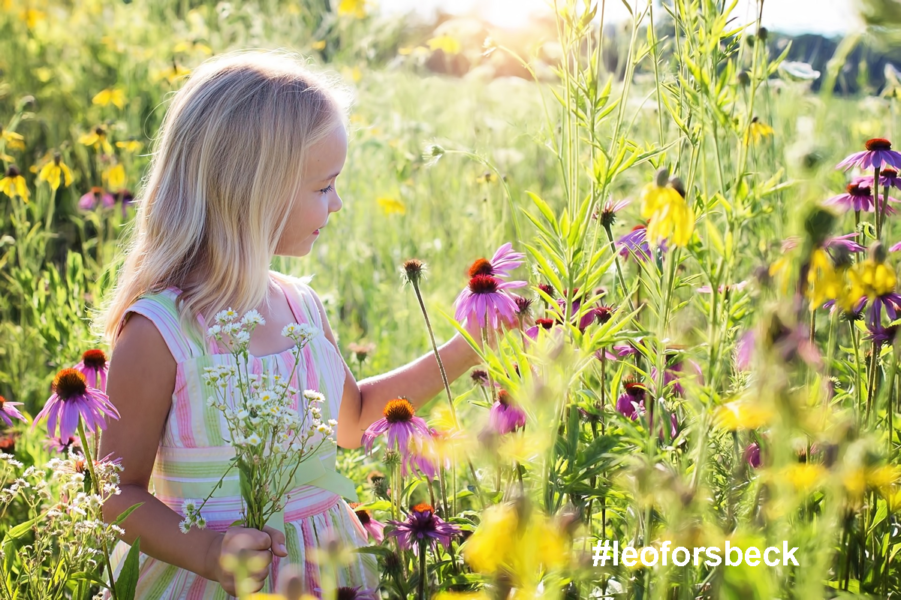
(423, 507)
(481, 267)
(860, 191)
(545, 323)
(888, 172)
(635, 389)
(398, 411)
(12, 171)
(483, 284)
(96, 359)
(2, 402)
(70, 383)
(878, 144)
(364, 517)
(503, 397)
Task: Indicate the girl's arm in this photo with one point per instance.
(140, 385)
(362, 403)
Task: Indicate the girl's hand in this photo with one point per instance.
(252, 546)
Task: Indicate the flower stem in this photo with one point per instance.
(422, 571)
(428, 325)
(89, 460)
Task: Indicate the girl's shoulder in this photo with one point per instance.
(160, 307)
(300, 288)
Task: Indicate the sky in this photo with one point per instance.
(828, 17)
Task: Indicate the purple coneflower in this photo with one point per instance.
(888, 177)
(752, 455)
(635, 243)
(857, 197)
(402, 427)
(878, 154)
(8, 411)
(674, 373)
(94, 367)
(505, 415)
(416, 461)
(422, 526)
(73, 399)
(479, 377)
(374, 527)
(501, 264)
(631, 403)
(355, 593)
(89, 200)
(608, 213)
(485, 300)
(545, 324)
(60, 446)
(847, 242)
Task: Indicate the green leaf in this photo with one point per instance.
(127, 582)
(127, 512)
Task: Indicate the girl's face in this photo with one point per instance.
(318, 197)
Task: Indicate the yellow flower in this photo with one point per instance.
(871, 279)
(446, 43)
(487, 177)
(742, 415)
(524, 550)
(54, 171)
(172, 74)
(14, 184)
(114, 175)
(110, 96)
(663, 202)
(130, 145)
(354, 74)
(12, 139)
(188, 46)
(805, 476)
(356, 8)
(31, 17)
(97, 139)
(318, 45)
(392, 206)
(757, 129)
(823, 280)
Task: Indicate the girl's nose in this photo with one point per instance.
(336, 204)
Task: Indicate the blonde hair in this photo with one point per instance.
(226, 163)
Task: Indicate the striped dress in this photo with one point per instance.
(193, 455)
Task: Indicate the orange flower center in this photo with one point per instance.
(889, 172)
(399, 411)
(545, 323)
(504, 398)
(483, 284)
(94, 358)
(423, 507)
(878, 144)
(481, 267)
(70, 383)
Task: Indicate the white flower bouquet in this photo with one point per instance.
(271, 439)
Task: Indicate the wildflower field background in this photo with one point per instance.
(715, 353)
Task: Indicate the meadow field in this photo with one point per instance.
(709, 249)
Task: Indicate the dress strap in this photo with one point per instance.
(298, 293)
(161, 309)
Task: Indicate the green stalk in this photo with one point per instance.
(89, 460)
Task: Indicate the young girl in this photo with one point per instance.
(244, 169)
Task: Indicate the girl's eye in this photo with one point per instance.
(327, 189)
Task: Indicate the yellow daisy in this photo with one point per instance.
(670, 216)
(12, 139)
(55, 171)
(14, 184)
(392, 206)
(108, 96)
(757, 130)
(97, 139)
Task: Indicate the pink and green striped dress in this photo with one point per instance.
(193, 454)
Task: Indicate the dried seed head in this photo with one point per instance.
(412, 271)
